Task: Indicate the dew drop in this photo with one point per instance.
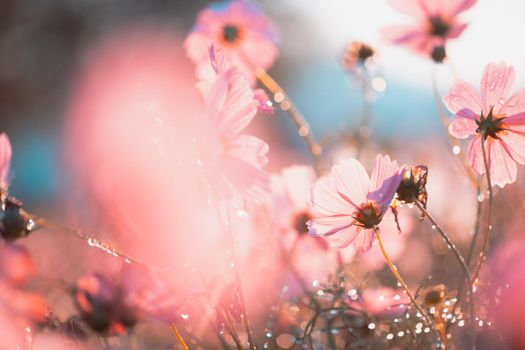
(278, 97)
(242, 214)
(303, 131)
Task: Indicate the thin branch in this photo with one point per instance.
(79, 234)
(303, 128)
(179, 337)
(485, 247)
(403, 284)
(460, 261)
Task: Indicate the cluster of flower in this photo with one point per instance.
(233, 44)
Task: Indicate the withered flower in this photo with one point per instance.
(435, 295)
(413, 185)
(14, 223)
(356, 54)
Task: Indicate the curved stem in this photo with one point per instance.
(476, 228)
(485, 247)
(303, 128)
(471, 247)
(179, 337)
(460, 157)
(79, 234)
(461, 263)
(403, 284)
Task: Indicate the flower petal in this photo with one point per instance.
(463, 124)
(496, 83)
(453, 7)
(385, 180)
(456, 30)
(329, 225)
(298, 181)
(247, 178)
(462, 95)
(326, 201)
(475, 157)
(351, 181)
(514, 105)
(250, 149)
(344, 237)
(239, 107)
(411, 8)
(363, 241)
(412, 37)
(502, 167)
(515, 144)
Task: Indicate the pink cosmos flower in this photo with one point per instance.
(229, 108)
(348, 205)
(112, 304)
(5, 159)
(290, 192)
(496, 116)
(239, 28)
(436, 22)
(290, 212)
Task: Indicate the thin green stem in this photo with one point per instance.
(79, 234)
(181, 341)
(402, 283)
(472, 245)
(477, 226)
(485, 246)
(461, 263)
(303, 128)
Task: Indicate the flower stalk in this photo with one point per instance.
(303, 128)
(483, 253)
(401, 281)
(179, 337)
(461, 262)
